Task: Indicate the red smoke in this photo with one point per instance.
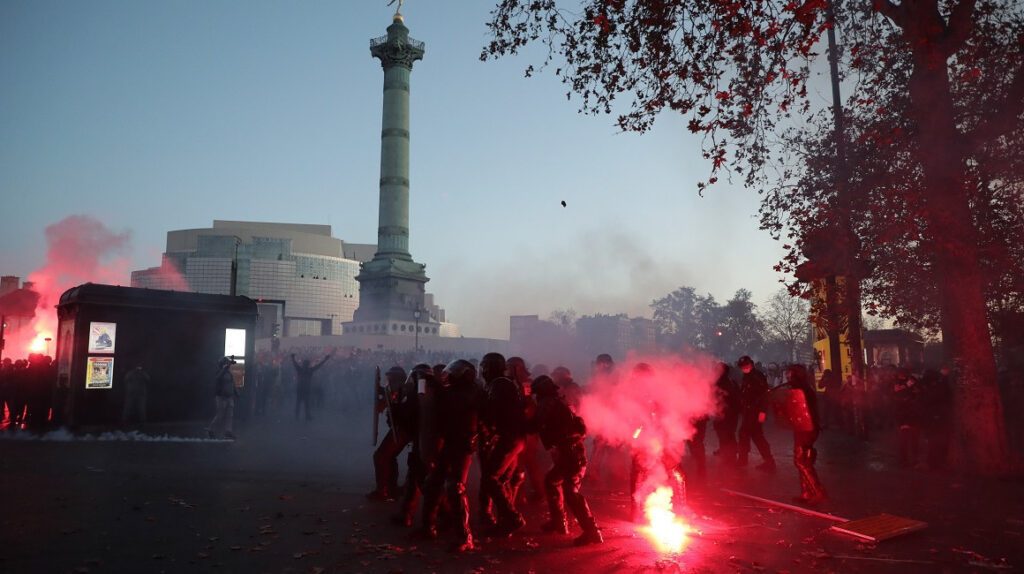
(662, 403)
(650, 411)
(80, 249)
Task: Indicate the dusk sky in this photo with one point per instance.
(154, 116)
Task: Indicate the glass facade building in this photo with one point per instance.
(299, 274)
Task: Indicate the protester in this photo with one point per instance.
(224, 393)
(136, 385)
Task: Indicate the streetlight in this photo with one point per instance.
(416, 314)
(48, 339)
(3, 328)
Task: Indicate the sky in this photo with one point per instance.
(153, 116)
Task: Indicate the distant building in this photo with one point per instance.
(616, 335)
(9, 283)
(540, 341)
(894, 347)
(17, 304)
(298, 274)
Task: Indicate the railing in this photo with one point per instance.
(415, 44)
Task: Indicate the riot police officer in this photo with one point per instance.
(420, 381)
(728, 397)
(503, 426)
(753, 402)
(562, 432)
(456, 418)
(390, 399)
(802, 413)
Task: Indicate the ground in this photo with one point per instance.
(289, 498)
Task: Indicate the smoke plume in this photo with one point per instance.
(650, 407)
(80, 249)
(603, 270)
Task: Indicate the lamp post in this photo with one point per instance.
(48, 339)
(416, 314)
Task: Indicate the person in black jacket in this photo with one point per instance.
(906, 395)
(753, 398)
(304, 382)
(458, 411)
(937, 415)
(503, 417)
(728, 397)
(803, 415)
(562, 432)
(224, 393)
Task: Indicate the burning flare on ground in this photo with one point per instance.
(668, 532)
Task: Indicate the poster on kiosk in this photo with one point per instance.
(99, 371)
(102, 337)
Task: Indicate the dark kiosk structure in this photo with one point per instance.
(176, 337)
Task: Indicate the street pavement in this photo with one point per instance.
(289, 497)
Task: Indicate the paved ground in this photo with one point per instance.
(288, 498)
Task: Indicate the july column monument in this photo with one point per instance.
(392, 284)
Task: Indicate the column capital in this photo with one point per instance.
(397, 48)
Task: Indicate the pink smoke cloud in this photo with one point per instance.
(652, 413)
(80, 249)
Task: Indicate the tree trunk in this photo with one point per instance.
(979, 424)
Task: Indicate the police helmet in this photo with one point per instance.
(561, 374)
(459, 372)
(493, 362)
(543, 386)
(396, 373)
(516, 368)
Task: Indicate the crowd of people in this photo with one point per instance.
(26, 390)
(498, 412)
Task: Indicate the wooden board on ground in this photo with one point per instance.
(871, 529)
(880, 527)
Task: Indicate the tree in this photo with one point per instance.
(742, 330)
(684, 319)
(565, 319)
(739, 69)
(787, 323)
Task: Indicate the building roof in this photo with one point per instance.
(117, 296)
(891, 336)
(306, 238)
(361, 252)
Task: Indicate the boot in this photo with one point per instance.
(402, 519)
(591, 536)
(425, 532)
(741, 459)
(380, 496)
(555, 526)
(767, 466)
(556, 509)
(462, 545)
(508, 526)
